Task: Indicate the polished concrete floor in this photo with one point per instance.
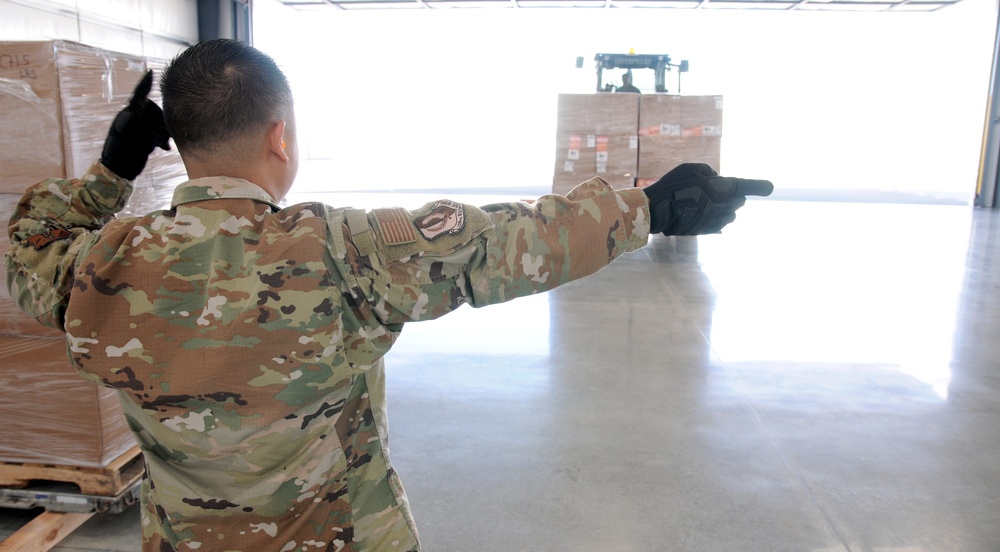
(820, 377)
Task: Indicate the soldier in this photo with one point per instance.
(246, 340)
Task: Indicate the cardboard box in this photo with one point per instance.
(83, 88)
(701, 116)
(31, 141)
(617, 156)
(608, 114)
(660, 115)
(576, 155)
(659, 154)
(664, 115)
(580, 157)
(596, 136)
(675, 130)
(50, 414)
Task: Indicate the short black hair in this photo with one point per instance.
(220, 92)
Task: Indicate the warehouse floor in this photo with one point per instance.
(820, 377)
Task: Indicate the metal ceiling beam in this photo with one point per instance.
(804, 5)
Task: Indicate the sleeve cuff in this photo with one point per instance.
(635, 212)
(107, 188)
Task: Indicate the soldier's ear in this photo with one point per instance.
(276, 140)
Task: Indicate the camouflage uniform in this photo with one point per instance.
(246, 341)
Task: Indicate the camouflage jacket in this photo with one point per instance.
(246, 340)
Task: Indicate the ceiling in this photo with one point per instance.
(808, 5)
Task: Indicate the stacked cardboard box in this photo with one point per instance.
(51, 415)
(632, 139)
(675, 130)
(57, 100)
(596, 136)
(56, 127)
(31, 148)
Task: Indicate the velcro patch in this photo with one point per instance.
(446, 217)
(55, 233)
(394, 225)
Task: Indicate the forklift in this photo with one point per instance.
(659, 63)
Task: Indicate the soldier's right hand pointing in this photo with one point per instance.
(693, 199)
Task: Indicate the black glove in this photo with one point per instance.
(136, 130)
(693, 199)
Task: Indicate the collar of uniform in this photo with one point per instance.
(220, 187)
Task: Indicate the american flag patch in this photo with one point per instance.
(394, 225)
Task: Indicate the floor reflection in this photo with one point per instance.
(789, 384)
(839, 283)
(495, 352)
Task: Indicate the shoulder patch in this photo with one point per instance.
(446, 217)
(394, 226)
(51, 234)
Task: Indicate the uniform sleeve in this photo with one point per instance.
(53, 223)
(418, 265)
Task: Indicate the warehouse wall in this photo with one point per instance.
(149, 28)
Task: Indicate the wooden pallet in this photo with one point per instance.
(112, 480)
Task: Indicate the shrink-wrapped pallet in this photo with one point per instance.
(51, 415)
(57, 100)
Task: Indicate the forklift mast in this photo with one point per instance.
(659, 63)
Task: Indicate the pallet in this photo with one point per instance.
(109, 489)
(112, 480)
